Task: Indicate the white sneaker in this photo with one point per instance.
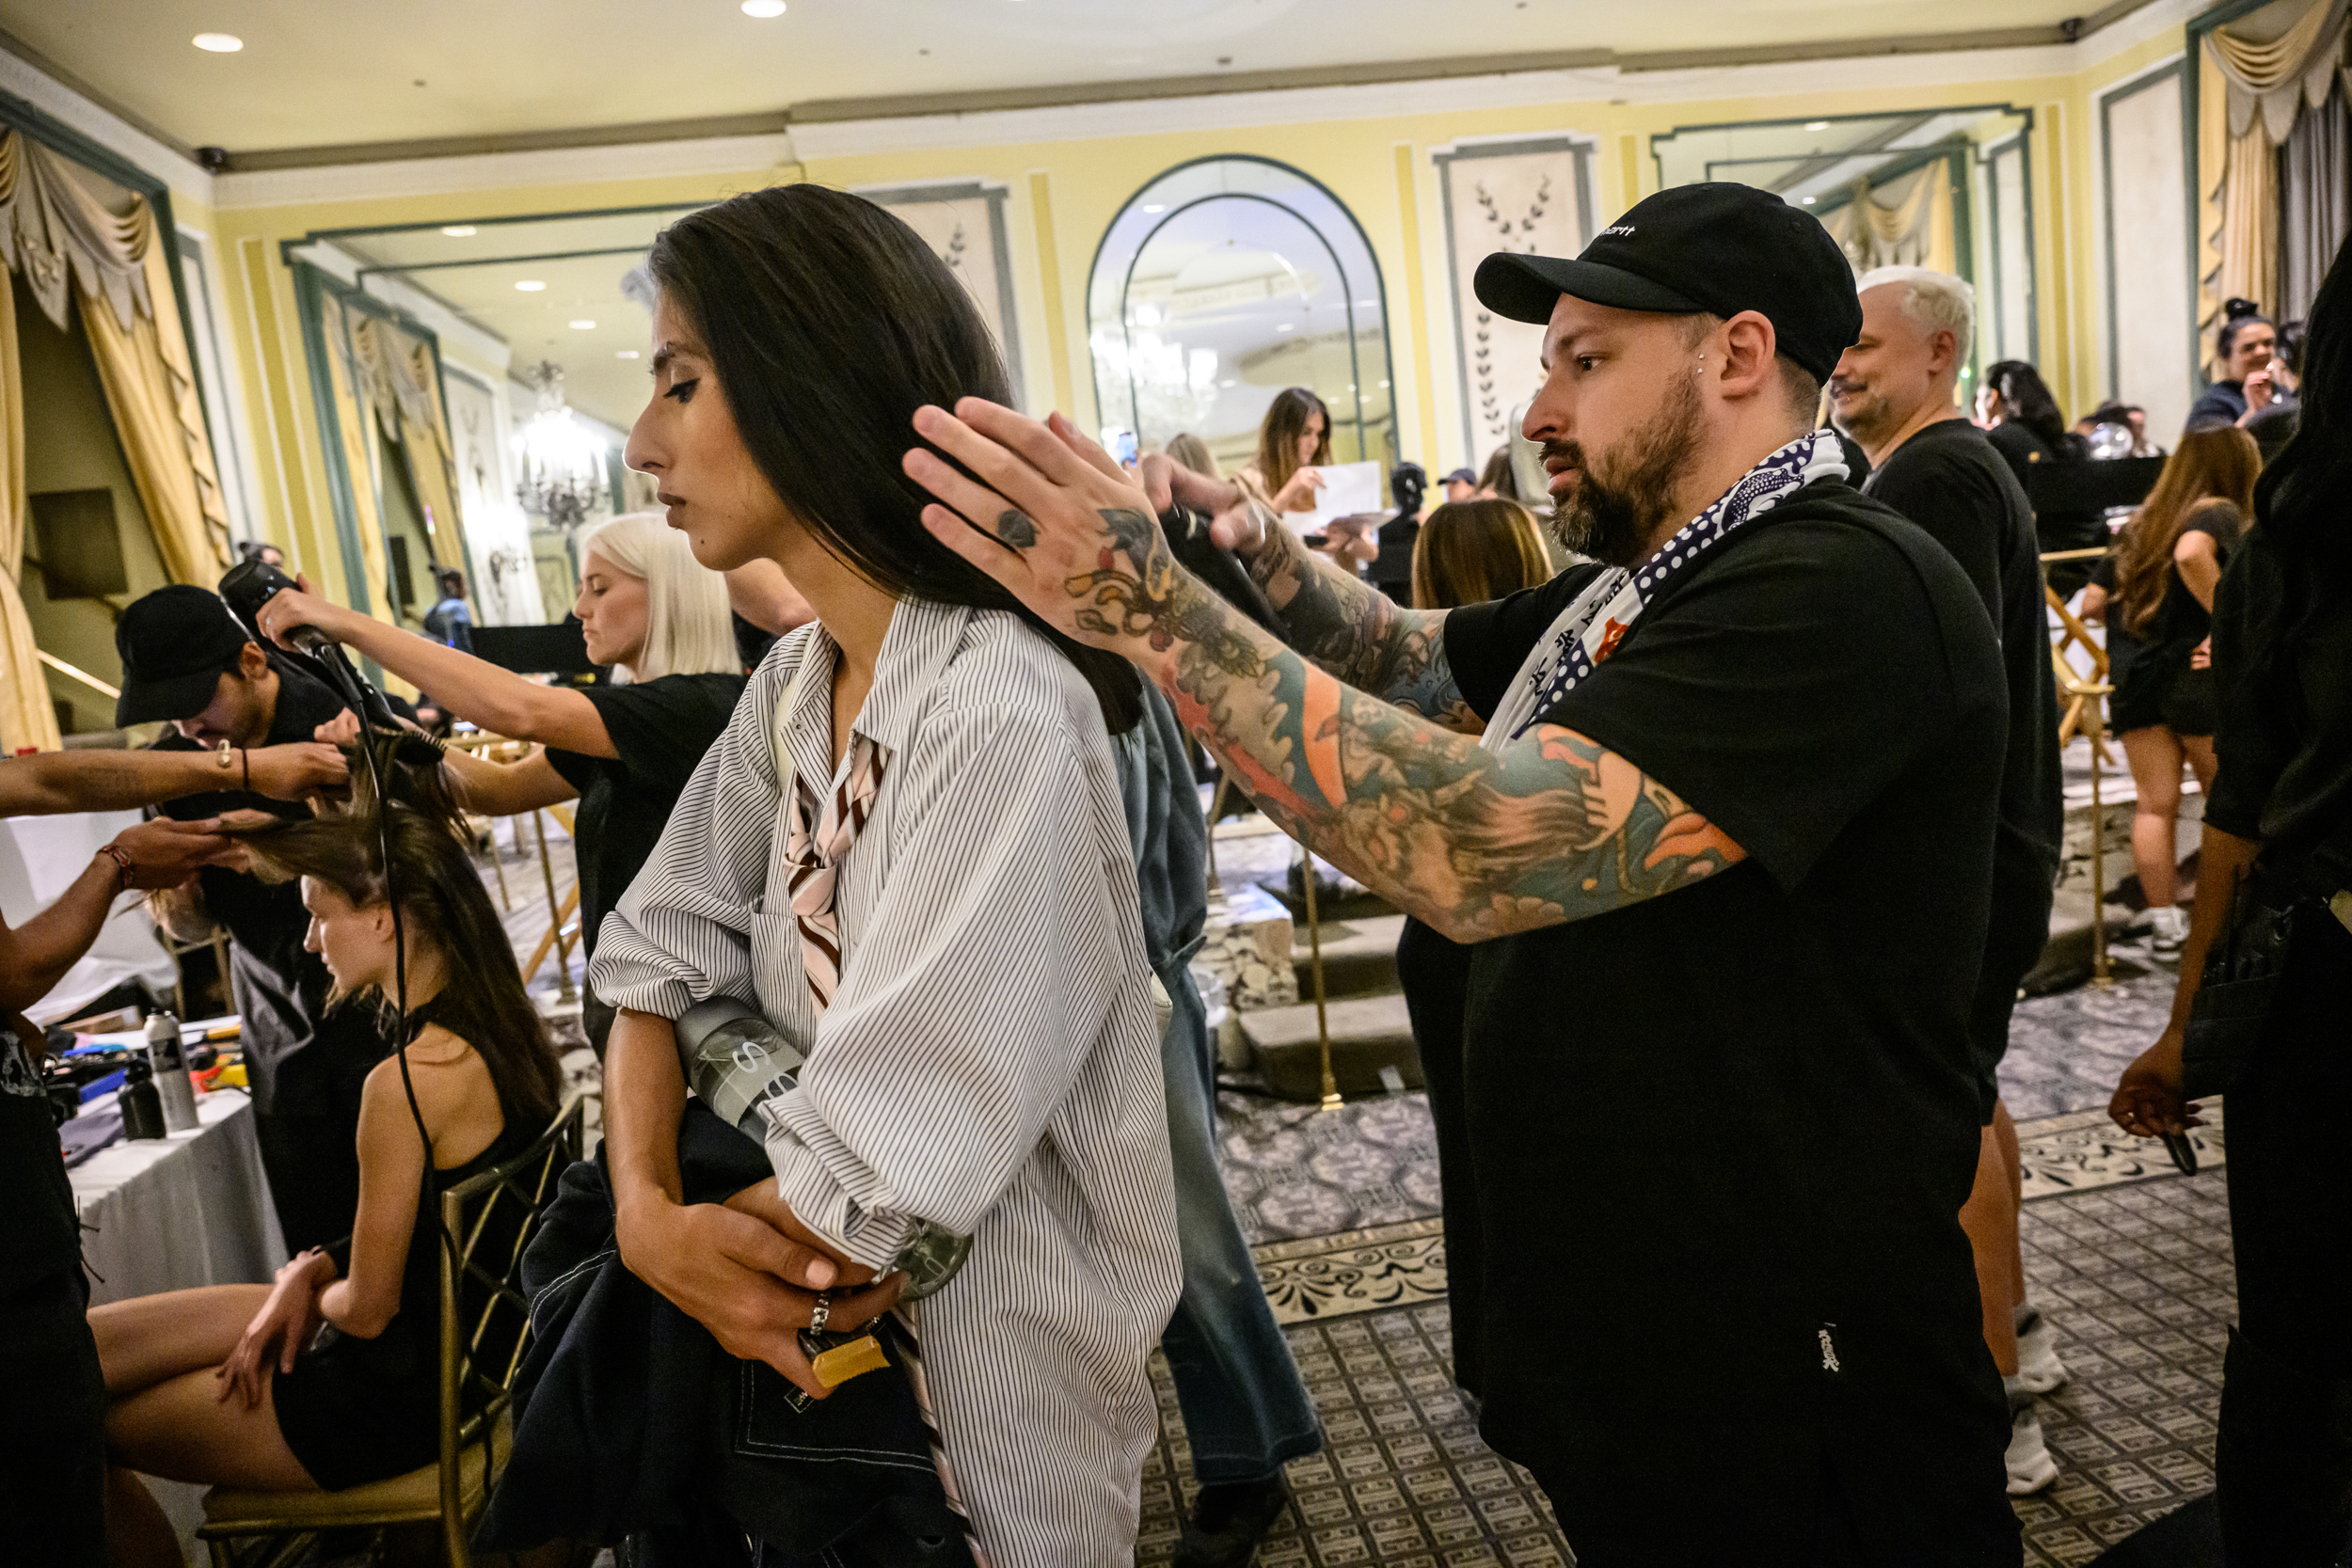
(2167, 928)
(2038, 1369)
(2030, 1467)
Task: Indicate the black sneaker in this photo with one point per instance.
(1227, 1522)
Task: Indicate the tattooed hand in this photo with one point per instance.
(1551, 828)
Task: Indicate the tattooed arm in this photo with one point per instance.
(1551, 828)
(1335, 618)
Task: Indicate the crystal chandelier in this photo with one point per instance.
(564, 477)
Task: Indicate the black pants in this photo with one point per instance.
(53, 1428)
(2285, 1449)
(313, 1162)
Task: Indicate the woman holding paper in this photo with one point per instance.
(1294, 443)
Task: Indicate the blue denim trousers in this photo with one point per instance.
(1245, 1411)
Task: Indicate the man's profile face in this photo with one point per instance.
(1619, 419)
(1890, 372)
(238, 712)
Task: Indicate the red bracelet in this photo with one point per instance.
(122, 864)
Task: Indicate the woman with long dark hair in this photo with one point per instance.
(1295, 435)
(225, 1384)
(2026, 427)
(908, 850)
(2168, 561)
(2278, 852)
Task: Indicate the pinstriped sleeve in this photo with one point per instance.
(681, 933)
(979, 986)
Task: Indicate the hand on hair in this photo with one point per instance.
(342, 730)
(164, 853)
(298, 769)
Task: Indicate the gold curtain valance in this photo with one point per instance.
(1905, 222)
(53, 225)
(2280, 76)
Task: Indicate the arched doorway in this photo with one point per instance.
(1224, 280)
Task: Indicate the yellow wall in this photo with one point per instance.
(1063, 194)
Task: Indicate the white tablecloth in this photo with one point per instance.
(192, 1209)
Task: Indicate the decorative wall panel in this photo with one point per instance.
(964, 223)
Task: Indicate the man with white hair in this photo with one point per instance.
(1895, 392)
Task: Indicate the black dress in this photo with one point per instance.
(2155, 683)
(358, 1410)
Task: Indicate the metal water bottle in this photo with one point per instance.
(142, 1118)
(737, 1061)
(170, 1064)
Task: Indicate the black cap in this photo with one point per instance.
(175, 643)
(1718, 249)
(1464, 476)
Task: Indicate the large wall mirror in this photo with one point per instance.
(1220, 283)
(1934, 187)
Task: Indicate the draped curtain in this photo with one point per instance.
(2255, 78)
(395, 372)
(77, 240)
(2314, 199)
(1906, 222)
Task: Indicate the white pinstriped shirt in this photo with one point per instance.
(989, 1062)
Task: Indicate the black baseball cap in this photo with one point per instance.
(175, 644)
(1464, 476)
(1716, 248)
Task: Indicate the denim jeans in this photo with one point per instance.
(1245, 1411)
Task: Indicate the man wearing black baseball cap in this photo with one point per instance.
(1704, 900)
(187, 660)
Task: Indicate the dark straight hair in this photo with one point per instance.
(828, 323)
(2300, 501)
(2025, 398)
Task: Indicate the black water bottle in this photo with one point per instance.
(142, 1107)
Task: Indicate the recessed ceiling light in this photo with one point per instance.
(626, 354)
(1809, 200)
(458, 231)
(763, 8)
(1817, 125)
(1156, 206)
(531, 285)
(584, 325)
(1287, 326)
(218, 43)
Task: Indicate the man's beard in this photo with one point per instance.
(1620, 501)
(1865, 417)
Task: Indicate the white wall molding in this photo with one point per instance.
(107, 129)
(752, 157)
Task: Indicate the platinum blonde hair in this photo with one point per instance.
(1936, 300)
(687, 628)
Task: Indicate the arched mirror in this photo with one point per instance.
(1220, 283)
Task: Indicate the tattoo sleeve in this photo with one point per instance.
(1553, 828)
(1358, 633)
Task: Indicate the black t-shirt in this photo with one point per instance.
(2223, 402)
(40, 1235)
(2284, 737)
(661, 728)
(1708, 1128)
(1948, 478)
(300, 1058)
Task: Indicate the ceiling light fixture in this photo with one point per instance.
(564, 477)
(626, 354)
(531, 285)
(1817, 125)
(584, 325)
(1156, 206)
(763, 8)
(1287, 326)
(218, 43)
(458, 231)
(1809, 200)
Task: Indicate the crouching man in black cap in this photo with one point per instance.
(1717, 866)
(185, 659)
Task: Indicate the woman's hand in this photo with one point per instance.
(298, 769)
(745, 1279)
(297, 606)
(279, 1330)
(1349, 540)
(2148, 1101)
(2201, 656)
(1298, 494)
(165, 853)
(2262, 389)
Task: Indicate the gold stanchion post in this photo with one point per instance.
(2095, 726)
(1315, 964)
(555, 915)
